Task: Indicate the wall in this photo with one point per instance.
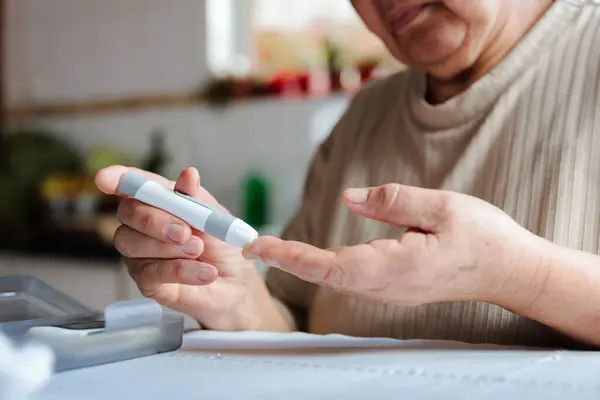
(277, 138)
(88, 49)
(64, 50)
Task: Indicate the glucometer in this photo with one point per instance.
(197, 214)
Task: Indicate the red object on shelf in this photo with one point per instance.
(287, 84)
(303, 80)
(366, 72)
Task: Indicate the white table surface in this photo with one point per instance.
(213, 365)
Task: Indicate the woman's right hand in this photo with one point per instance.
(185, 269)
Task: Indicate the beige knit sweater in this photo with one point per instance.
(525, 138)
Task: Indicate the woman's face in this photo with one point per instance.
(444, 37)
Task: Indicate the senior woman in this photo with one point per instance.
(470, 207)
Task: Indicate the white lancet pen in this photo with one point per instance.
(198, 215)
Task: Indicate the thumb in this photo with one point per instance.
(189, 183)
(400, 205)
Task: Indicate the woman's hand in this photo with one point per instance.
(186, 269)
(456, 248)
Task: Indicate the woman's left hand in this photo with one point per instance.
(456, 248)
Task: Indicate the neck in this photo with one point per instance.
(509, 33)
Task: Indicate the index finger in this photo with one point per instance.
(108, 178)
(303, 260)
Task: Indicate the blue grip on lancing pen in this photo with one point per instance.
(198, 215)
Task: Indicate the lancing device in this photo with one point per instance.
(198, 215)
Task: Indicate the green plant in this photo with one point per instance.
(27, 156)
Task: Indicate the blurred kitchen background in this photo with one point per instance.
(244, 90)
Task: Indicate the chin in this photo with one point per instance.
(430, 55)
(443, 56)
(436, 42)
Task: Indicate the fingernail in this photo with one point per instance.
(272, 264)
(251, 256)
(357, 196)
(175, 232)
(205, 274)
(194, 172)
(251, 251)
(193, 247)
(197, 176)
